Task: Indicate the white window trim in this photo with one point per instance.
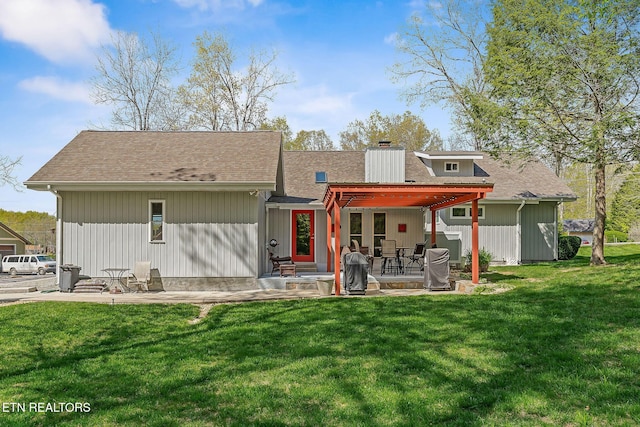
(164, 220)
(467, 209)
(453, 170)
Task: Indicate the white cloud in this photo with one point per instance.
(392, 39)
(60, 30)
(57, 88)
(218, 4)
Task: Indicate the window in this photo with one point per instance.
(465, 212)
(451, 167)
(355, 227)
(156, 220)
(321, 177)
(379, 230)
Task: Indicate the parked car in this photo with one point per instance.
(28, 264)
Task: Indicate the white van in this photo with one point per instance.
(28, 264)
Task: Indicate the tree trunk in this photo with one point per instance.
(597, 249)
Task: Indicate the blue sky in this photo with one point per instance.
(338, 51)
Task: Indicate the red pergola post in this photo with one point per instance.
(433, 227)
(475, 260)
(328, 241)
(336, 216)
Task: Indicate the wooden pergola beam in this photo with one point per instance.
(434, 197)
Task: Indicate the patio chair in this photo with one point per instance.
(389, 255)
(140, 278)
(276, 262)
(364, 250)
(416, 259)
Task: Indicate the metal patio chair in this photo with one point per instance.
(389, 255)
(416, 259)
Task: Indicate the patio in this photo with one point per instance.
(377, 282)
(371, 195)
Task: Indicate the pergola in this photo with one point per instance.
(434, 197)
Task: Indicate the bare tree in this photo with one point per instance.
(135, 77)
(7, 165)
(311, 140)
(219, 95)
(446, 53)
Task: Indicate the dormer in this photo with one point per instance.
(450, 164)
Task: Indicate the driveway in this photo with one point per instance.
(25, 279)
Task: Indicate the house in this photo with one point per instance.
(11, 243)
(582, 228)
(202, 206)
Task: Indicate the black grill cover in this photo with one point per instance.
(356, 270)
(436, 269)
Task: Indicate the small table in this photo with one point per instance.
(115, 274)
(287, 269)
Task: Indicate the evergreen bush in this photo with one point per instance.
(568, 246)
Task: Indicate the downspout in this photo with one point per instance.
(267, 238)
(519, 233)
(58, 231)
(555, 230)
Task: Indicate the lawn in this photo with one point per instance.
(561, 347)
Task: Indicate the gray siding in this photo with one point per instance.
(262, 235)
(279, 226)
(539, 230)
(207, 234)
(384, 165)
(280, 229)
(465, 167)
(497, 231)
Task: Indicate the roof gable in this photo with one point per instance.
(6, 230)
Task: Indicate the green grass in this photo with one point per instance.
(561, 348)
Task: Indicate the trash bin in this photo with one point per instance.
(356, 269)
(436, 269)
(69, 277)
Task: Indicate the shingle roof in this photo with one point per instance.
(578, 225)
(13, 233)
(522, 179)
(154, 157)
(513, 180)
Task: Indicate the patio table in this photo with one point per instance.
(115, 275)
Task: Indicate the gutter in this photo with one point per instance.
(58, 231)
(152, 186)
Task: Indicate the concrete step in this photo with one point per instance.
(306, 267)
(95, 288)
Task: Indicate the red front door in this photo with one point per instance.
(303, 233)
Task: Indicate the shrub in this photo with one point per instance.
(485, 257)
(615, 236)
(568, 246)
